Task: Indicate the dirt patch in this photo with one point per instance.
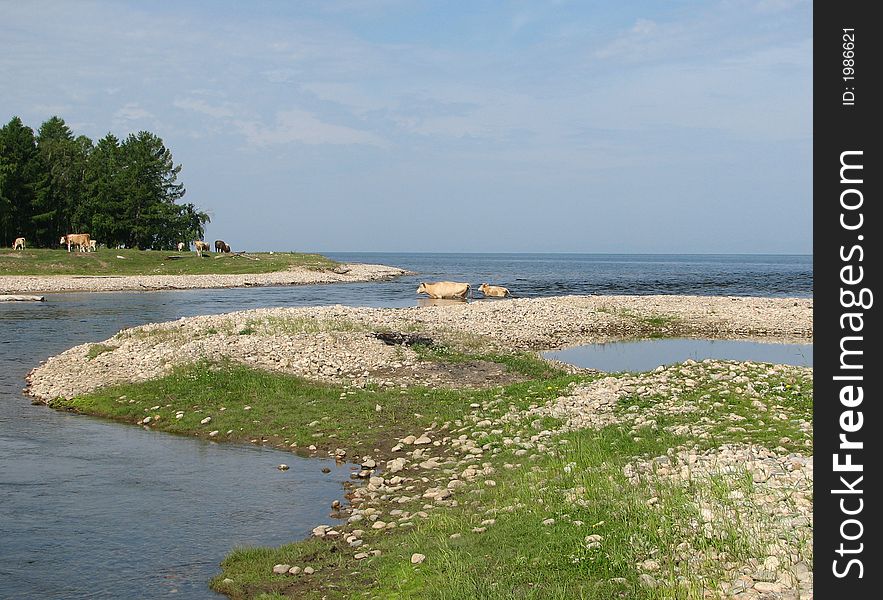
(466, 374)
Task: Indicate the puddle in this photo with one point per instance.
(645, 355)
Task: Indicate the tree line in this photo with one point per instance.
(120, 192)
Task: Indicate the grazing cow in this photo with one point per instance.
(494, 291)
(219, 245)
(227, 248)
(181, 246)
(93, 245)
(445, 289)
(201, 247)
(76, 239)
(18, 244)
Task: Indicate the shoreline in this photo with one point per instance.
(514, 451)
(346, 273)
(280, 340)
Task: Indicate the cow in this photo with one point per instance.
(93, 245)
(227, 248)
(494, 291)
(201, 247)
(445, 289)
(181, 246)
(219, 245)
(18, 244)
(75, 239)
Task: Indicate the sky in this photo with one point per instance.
(417, 126)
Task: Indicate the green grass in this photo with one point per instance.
(96, 350)
(578, 481)
(284, 409)
(139, 262)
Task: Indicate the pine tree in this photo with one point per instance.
(20, 172)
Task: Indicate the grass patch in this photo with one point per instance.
(151, 262)
(296, 325)
(285, 410)
(96, 350)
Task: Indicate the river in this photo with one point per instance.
(93, 509)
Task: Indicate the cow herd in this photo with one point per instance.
(83, 242)
(447, 290)
(453, 290)
(220, 247)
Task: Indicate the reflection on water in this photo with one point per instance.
(644, 355)
(440, 302)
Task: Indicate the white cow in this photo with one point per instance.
(76, 239)
(18, 244)
(445, 289)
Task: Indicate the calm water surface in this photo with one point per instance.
(92, 509)
(644, 355)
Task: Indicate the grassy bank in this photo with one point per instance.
(107, 262)
(539, 511)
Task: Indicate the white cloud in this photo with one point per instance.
(132, 112)
(297, 125)
(203, 107)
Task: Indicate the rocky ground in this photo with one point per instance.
(336, 343)
(761, 482)
(10, 284)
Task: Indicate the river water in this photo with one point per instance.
(93, 509)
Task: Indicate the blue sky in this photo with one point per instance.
(394, 125)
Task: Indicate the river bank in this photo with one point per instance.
(346, 273)
(486, 471)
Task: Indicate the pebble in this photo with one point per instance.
(281, 569)
(417, 558)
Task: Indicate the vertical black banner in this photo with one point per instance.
(847, 369)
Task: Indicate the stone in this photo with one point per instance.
(206, 421)
(309, 570)
(282, 467)
(417, 558)
(294, 571)
(281, 569)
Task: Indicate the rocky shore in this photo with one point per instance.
(14, 284)
(733, 482)
(337, 343)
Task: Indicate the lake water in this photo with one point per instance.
(644, 355)
(93, 509)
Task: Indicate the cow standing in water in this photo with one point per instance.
(76, 239)
(494, 291)
(451, 290)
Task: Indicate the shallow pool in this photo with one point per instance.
(645, 355)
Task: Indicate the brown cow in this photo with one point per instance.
(445, 289)
(219, 245)
(494, 291)
(226, 248)
(76, 239)
(201, 247)
(18, 244)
